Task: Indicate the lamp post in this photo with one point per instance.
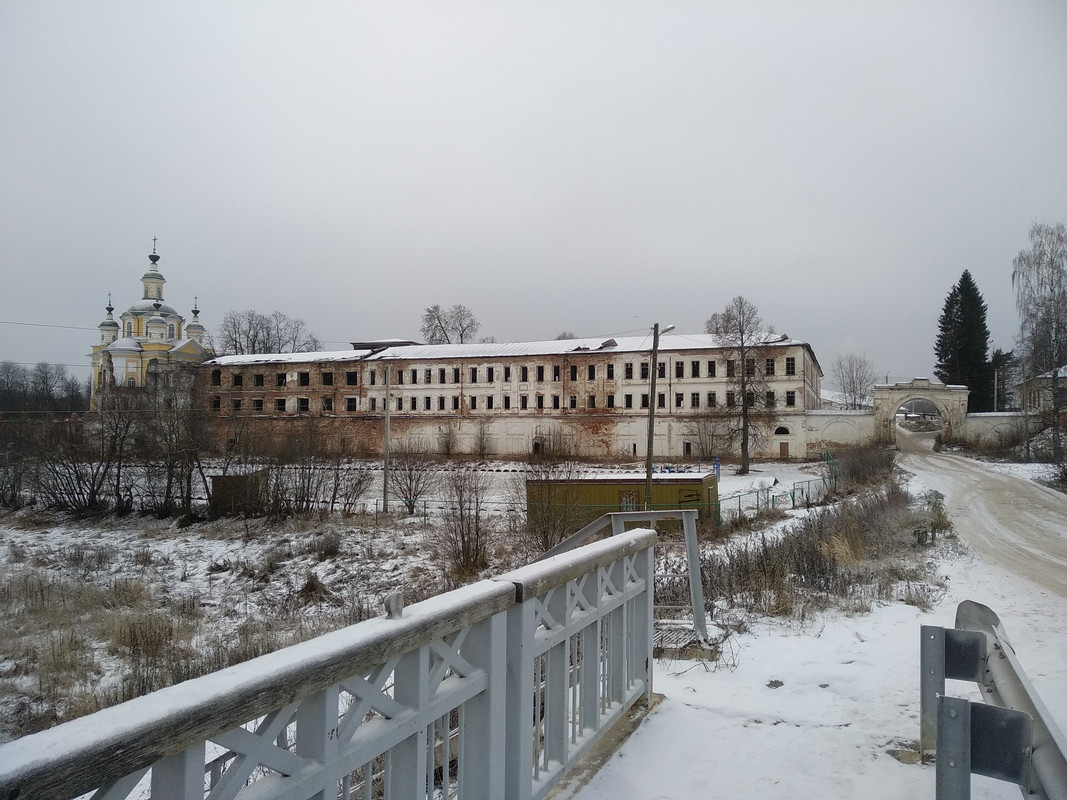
(654, 370)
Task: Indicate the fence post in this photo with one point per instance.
(696, 586)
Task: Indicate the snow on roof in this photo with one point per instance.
(430, 352)
(622, 344)
(289, 358)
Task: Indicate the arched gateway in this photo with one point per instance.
(951, 403)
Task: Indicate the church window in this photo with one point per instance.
(129, 329)
(170, 331)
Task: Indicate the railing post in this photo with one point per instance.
(481, 754)
(696, 586)
(316, 726)
(931, 684)
(407, 766)
(519, 738)
(180, 777)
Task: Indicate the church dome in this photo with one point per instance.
(148, 306)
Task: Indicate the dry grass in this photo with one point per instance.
(848, 556)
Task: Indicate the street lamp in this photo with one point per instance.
(652, 412)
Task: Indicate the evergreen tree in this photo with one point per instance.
(962, 344)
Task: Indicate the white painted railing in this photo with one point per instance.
(491, 691)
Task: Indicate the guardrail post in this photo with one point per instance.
(953, 775)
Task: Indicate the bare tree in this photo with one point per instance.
(750, 407)
(412, 473)
(464, 537)
(1039, 276)
(566, 335)
(455, 325)
(249, 332)
(713, 433)
(854, 377)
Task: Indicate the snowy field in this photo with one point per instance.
(816, 711)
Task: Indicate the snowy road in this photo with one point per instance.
(1013, 523)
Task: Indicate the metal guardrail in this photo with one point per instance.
(494, 690)
(1011, 738)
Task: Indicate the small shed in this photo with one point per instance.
(592, 495)
(237, 494)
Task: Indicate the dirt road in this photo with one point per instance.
(1013, 523)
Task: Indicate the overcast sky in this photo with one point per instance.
(585, 166)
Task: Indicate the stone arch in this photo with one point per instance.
(950, 401)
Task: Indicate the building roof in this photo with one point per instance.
(430, 352)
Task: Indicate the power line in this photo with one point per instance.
(45, 325)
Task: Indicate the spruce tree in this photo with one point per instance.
(962, 344)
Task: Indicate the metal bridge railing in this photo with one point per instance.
(1012, 737)
(493, 690)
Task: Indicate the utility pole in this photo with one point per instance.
(654, 370)
(385, 447)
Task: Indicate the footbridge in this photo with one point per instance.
(494, 690)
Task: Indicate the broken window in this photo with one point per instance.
(661, 400)
(523, 402)
(257, 379)
(524, 374)
(303, 378)
(679, 399)
(235, 404)
(237, 380)
(644, 401)
(628, 371)
(679, 369)
(474, 374)
(489, 374)
(327, 379)
(731, 399)
(661, 369)
(327, 404)
(769, 399)
(303, 404)
(257, 405)
(351, 378)
(541, 374)
(731, 368)
(611, 372)
(351, 404)
(768, 366)
(712, 400)
(750, 368)
(628, 401)
(507, 402)
(611, 401)
(216, 403)
(279, 405)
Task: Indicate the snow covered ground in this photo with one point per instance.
(815, 711)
